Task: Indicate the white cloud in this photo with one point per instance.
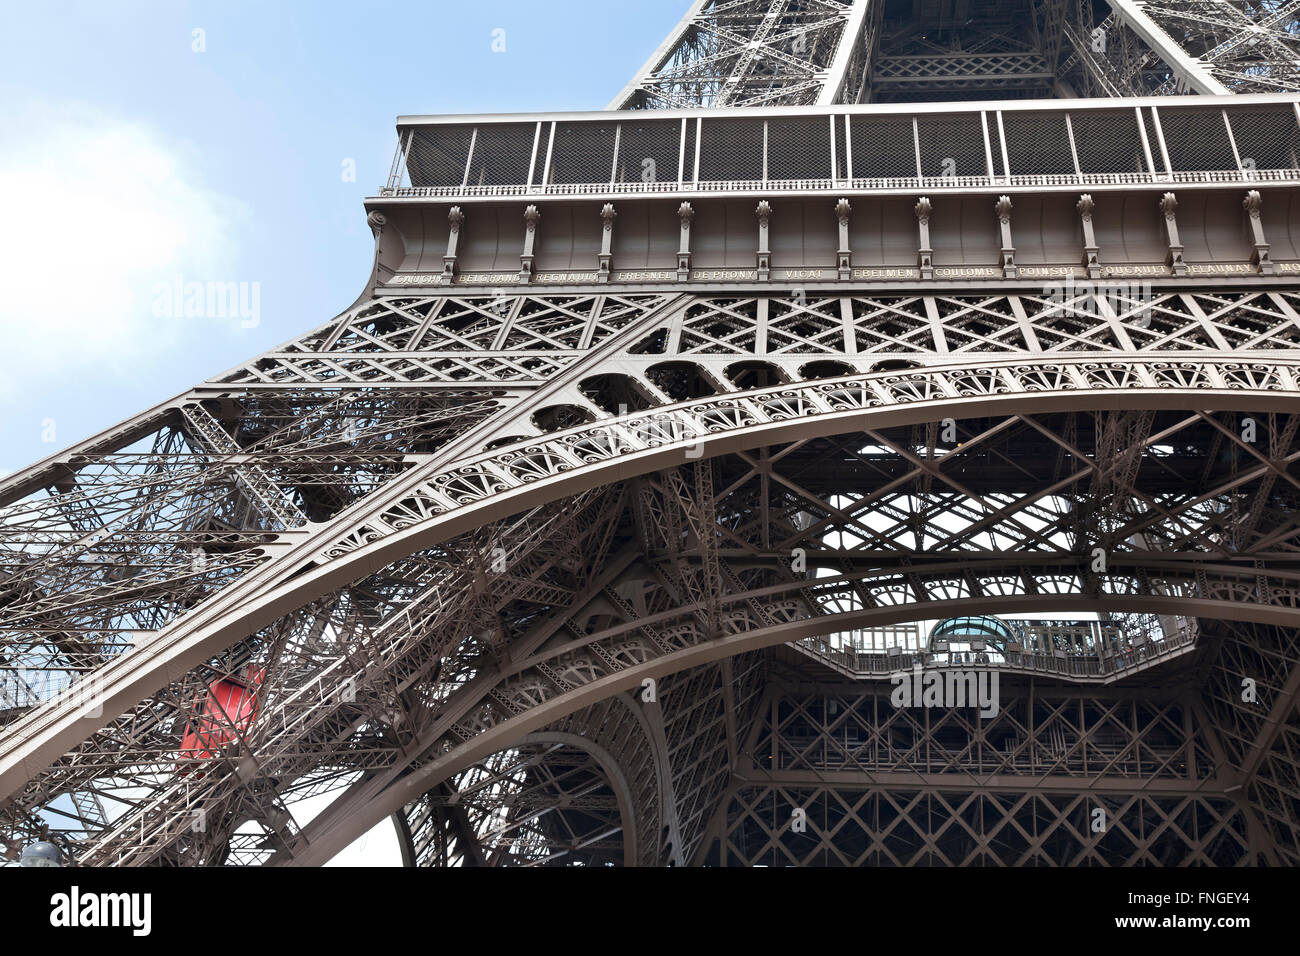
(94, 213)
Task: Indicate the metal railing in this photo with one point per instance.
(891, 184)
(1117, 143)
(1125, 658)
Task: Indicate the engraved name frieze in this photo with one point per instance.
(1050, 272)
(967, 272)
(565, 277)
(723, 275)
(887, 273)
(487, 278)
(424, 279)
(1220, 268)
(1135, 270)
(644, 275)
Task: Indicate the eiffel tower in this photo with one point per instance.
(871, 440)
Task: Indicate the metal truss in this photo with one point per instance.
(749, 53)
(1217, 46)
(749, 592)
(437, 340)
(734, 581)
(778, 52)
(542, 803)
(577, 575)
(903, 787)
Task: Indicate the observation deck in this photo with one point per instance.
(1193, 189)
(1073, 651)
(883, 148)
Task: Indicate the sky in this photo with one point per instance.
(146, 146)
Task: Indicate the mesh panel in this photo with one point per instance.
(799, 148)
(688, 154)
(951, 145)
(501, 155)
(1037, 143)
(1266, 135)
(1196, 140)
(647, 151)
(584, 153)
(841, 153)
(731, 149)
(437, 155)
(1108, 141)
(882, 147)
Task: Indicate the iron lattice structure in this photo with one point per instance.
(595, 530)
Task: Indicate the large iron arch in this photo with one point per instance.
(360, 816)
(776, 418)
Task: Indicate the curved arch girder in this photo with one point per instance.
(764, 417)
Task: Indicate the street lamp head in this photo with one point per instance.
(41, 854)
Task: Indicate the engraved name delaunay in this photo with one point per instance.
(1219, 268)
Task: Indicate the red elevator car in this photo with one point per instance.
(227, 711)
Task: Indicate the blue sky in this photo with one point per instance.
(128, 159)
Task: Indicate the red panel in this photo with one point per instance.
(227, 712)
